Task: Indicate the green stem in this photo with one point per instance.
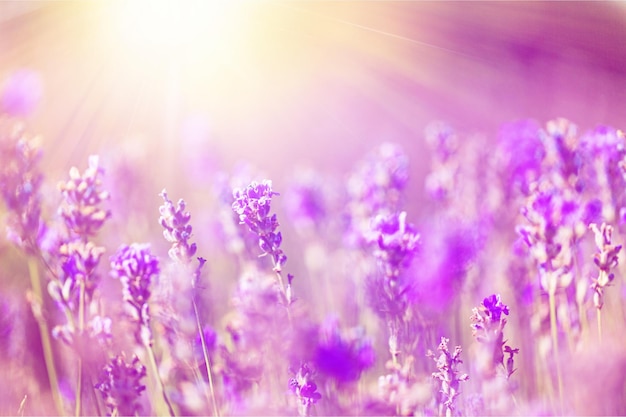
(155, 370)
(207, 359)
(46, 345)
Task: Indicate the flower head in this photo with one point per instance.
(120, 385)
(375, 187)
(135, 266)
(175, 221)
(79, 260)
(20, 181)
(342, 356)
(20, 93)
(397, 242)
(82, 198)
(253, 204)
(304, 388)
(448, 373)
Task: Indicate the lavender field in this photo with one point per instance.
(312, 208)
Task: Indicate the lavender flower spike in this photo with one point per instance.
(448, 374)
(252, 205)
(175, 221)
(135, 266)
(120, 385)
(605, 259)
(82, 196)
(20, 181)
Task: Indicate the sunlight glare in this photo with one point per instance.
(172, 24)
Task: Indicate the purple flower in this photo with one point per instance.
(120, 385)
(306, 203)
(210, 339)
(375, 187)
(175, 221)
(135, 266)
(562, 147)
(20, 182)
(252, 205)
(79, 260)
(20, 93)
(305, 389)
(605, 259)
(494, 307)
(397, 242)
(448, 373)
(443, 141)
(82, 197)
(520, 154)
(342, 356)
(488, 323)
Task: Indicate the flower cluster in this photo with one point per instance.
(120, 385)
(20, 183)
(253, 204)
(175, 221)
(448, 374)
(375, 187)
(397, 243)
(553, 212)
(135, 266)
(488, 323)
(605, 259)
(444, 143)
(79, 260)
(342, 356)
(82, 197)
(520, 154)
(305, 389)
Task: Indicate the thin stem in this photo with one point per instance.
(20, 410)
(95, 397)
(79, 387)
(207, 359)
(599, 317)
(46, 345)
(555, 342)
(155, 370)
(81, 327)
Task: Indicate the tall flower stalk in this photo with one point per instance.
(605, 259)
(175, 221)
(448, 375)
(20, 185)
(135, 266)
(73, 289)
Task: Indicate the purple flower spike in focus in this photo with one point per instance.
(252, 205)
(488, 324)
(494, 307)
(175, 221)
(82, 194)
(135, 266)
(120, 385)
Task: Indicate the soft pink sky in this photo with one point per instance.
(317, 83)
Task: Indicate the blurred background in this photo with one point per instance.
(203, 84)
